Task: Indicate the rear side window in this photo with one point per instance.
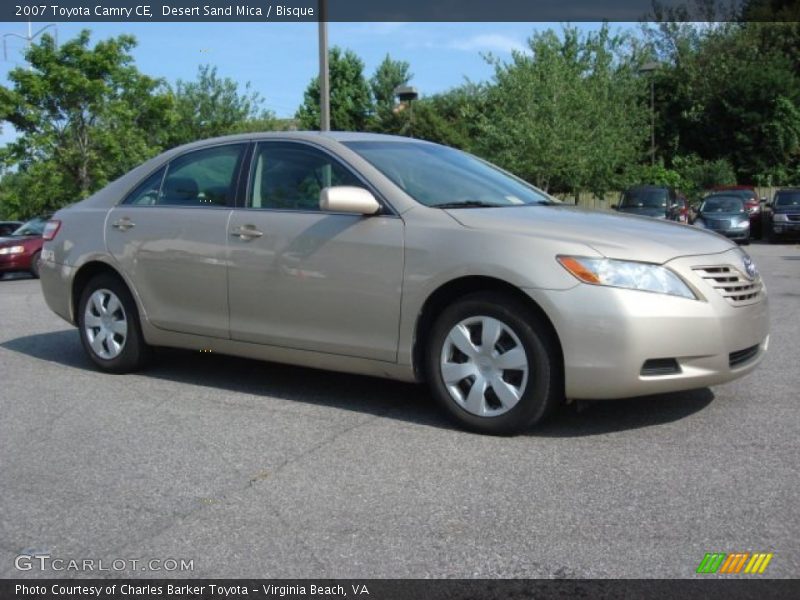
(202, 178)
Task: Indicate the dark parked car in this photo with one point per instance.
(725, 214)
(21, 250)
(752, 204)
(8, 227)
(784, 218)
(659, 202)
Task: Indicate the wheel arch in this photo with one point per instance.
(454, 289)
(84, 275)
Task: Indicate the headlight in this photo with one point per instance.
(780, 217)
(625, 274)
(12, 250)
(742, 225)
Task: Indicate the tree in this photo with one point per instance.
(351, 103)
(732, 91)
(389, 75)
(569, 115)
(212, 106)
(86, 113)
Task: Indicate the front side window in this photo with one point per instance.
(289, 176)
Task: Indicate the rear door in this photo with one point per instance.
(169, 237)
(311, 280)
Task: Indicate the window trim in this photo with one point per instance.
(231, 202)
(387, 210)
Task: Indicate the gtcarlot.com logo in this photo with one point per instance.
(735, 563)
(44, 562)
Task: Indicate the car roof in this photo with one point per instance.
(339, 136)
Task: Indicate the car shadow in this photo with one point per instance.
(391, 399)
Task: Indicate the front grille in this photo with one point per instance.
(731, 284)
(717, 223)
(742, 356)
(793, 217)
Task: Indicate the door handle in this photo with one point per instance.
(247, 232)
(123, 224)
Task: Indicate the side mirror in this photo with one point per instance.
(348, 199)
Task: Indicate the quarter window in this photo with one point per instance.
(290, 176)
(148, 190)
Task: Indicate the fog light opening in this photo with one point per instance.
(654, 367)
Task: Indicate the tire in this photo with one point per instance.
(114, 348)
(35, 264)
(529, 393)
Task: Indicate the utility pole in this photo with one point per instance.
(324, 73)
(650, 68)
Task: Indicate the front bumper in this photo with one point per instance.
(786, 227)
(15, 262)
(607, 335)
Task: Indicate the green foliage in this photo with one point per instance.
(85, 116)
(569, 115)
(351, 102)
(389, 75)
(731, 91)
(212, 106)
(688, 174)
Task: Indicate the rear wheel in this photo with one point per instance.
(108, 321)
(493, 365)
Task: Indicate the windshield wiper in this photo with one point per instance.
(469, 204)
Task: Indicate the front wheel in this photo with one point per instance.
(108, 321)
(35, 264)
(493, 365)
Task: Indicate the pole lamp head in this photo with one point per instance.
(406, 93)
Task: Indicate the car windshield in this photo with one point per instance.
(446, 178)
(746, 195)
(722, 204)
(32, 227)
(644, 198)
(787, 199)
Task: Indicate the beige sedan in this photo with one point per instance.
(403, 259)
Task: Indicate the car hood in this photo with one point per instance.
(788, 209)
(18, 239)
(737, 216)
(611, 234)
(644, 211)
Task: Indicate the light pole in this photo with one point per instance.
(28, 38)
(650, 67)
(324, 73)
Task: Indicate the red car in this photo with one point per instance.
(20, 251)
(752, 204)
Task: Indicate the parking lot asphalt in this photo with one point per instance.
(253, 469)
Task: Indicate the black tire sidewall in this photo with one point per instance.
(540, 396)
(35, 263)
(135, 352)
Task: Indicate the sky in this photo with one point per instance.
(279, 59)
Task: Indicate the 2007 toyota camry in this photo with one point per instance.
(404, 259)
